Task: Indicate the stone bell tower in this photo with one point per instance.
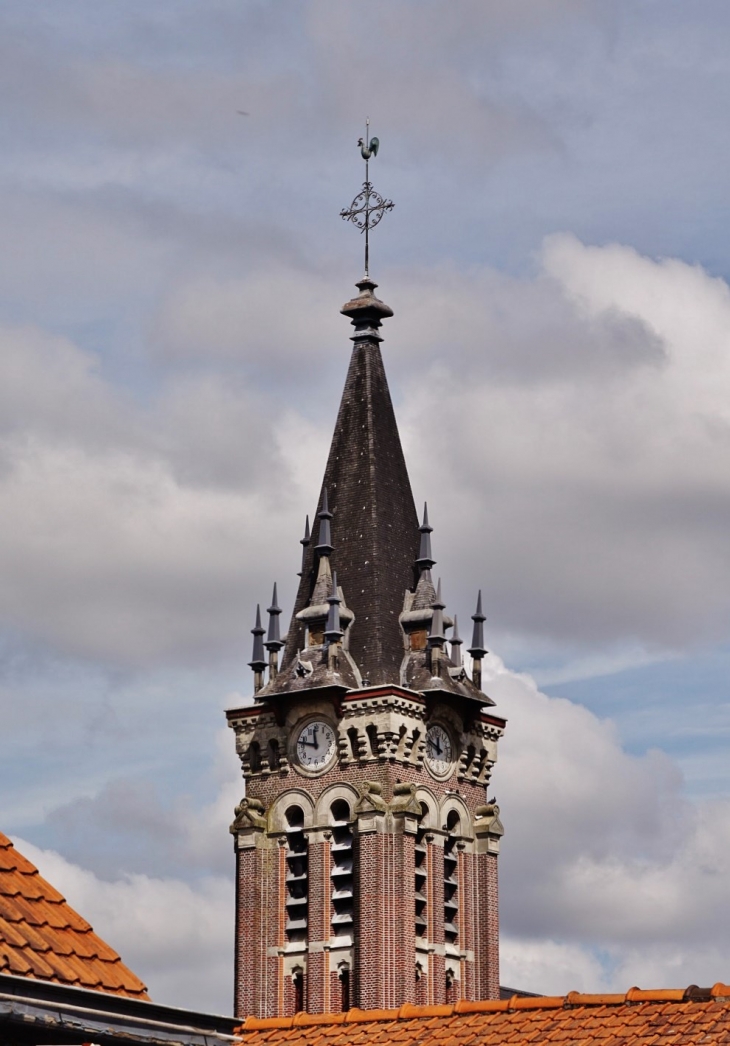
(366, 848)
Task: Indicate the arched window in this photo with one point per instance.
(341, 874)
(296, 875)
(421, 862)
(451, 880)
(274, 760)
(254, 757)
(298, 983)
(372, 732)
(345, 987)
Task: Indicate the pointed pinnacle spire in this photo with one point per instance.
(258, 661)
(305, 545)
(477, 648)
(425, 560)
(324, 545)
(333, 632)
(273, 639)
(436, 635)
(456, 642)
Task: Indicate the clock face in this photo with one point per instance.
(315, 745)
(439, 751)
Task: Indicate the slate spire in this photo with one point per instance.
(370, 503)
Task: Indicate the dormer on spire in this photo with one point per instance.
(273, 642)
(425, 560)
(477, 648)
(258, 661)
(324, 546)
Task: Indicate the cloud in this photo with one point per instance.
(594, 440)
(608, 876)
(129, 824)
(178, 938)
(593, 485)
(125, 527)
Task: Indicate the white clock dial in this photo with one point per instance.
(439, 751)
(316, 745)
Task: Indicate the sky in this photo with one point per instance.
(171, 361)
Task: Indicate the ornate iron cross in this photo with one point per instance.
(368, 207)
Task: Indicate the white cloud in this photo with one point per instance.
(608, 876)
(592, 480)
(177, 937)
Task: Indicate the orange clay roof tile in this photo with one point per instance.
(666, 1017)
(42, 936)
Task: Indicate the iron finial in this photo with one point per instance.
(477, 648)
(456, 642)
(368, 207)
(257, 662)
(305, 545)
(273, 638)
(425, 560)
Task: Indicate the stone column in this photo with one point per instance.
(371, 851)
(256, 891)
(488, 830)
(318, 980)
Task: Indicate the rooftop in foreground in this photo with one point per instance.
(684, 1016)
(42, 937)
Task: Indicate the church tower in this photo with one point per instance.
(366, 849)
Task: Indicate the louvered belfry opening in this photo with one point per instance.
(451, 884)
(421, 877)
(296, 876)
(342, 870)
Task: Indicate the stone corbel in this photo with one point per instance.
(249, 822)
(405, 807)
(371, 809)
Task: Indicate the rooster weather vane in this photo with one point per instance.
(368, 207)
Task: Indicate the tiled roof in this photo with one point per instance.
(43, 937)
(642, 1018)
